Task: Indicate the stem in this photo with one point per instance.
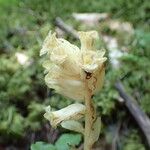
(90, 117)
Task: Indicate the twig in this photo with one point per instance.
(116, 136)
(141, 118)
(68, 29)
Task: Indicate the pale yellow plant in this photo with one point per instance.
(76, 73)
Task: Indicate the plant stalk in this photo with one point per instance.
(90, 117)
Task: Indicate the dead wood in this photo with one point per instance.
(66, 28)
(141, 118)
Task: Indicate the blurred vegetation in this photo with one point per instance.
(23, 93)
(65, 142)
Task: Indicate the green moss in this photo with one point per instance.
(133, 142)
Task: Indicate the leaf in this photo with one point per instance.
(67, 140)
(42, 146)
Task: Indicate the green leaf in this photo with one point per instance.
(42, 146)
(67, 140)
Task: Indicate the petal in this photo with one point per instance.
(90, 68)
(50, 43)
(68, 56)
(100, 53)
(58, 59)
(69, 86)
(73, 112)
(75, 95)
(93, 60)
(45, 48)
(47, 65)
(73, 125)
(95, 83)
(72, 88)
(51, 79)
(100, 79)
(87, 40)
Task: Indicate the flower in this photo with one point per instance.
(71, 112)
(67, 66)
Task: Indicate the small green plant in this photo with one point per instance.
(65, 142)
(133, 141)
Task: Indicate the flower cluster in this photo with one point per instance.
(67, 65)
(76, 73)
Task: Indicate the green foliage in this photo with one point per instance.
(17, 89)
(106, 102)
(135, 65)
(11, 122)
(42, 146)
(118, 8)
(65, 142)
(35, 114)
(133, 142)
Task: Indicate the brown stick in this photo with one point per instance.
(68, 29)
(141, 118)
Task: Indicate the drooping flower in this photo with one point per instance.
(67, 66)
(71, 112)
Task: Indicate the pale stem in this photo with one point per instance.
(90, 117)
